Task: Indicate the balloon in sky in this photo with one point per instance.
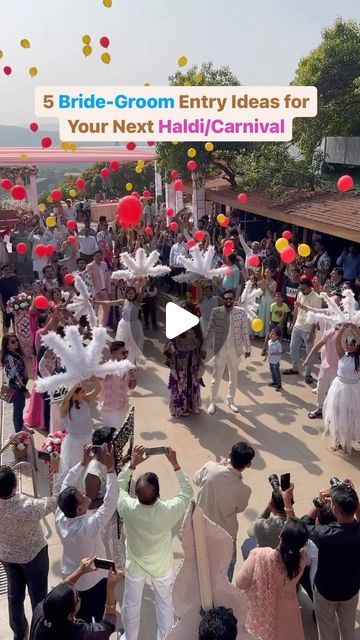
(107, 3)
(33, 72)
(105, 57)
(86, 39)
(131, 146)
(56, 195)
(18, 192)
(33, 126)
(24, 43)
(182, 61)
(46, 142)
(104, 41)
(87, 50)
(7, 70)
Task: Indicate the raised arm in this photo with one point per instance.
(339, 348)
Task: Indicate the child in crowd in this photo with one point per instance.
(274, 357)
(278, 314)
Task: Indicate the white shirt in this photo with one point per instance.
(81, 536)
(70, 213)
(88, 245)
(176, 251)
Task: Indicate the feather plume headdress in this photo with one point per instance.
(141, 266)
(79, 361)
(334, 314)
(250, 300)
(81, 304)
(199, 266)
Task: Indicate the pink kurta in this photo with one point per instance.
(274, 612)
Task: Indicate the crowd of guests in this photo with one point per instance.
(87, 494)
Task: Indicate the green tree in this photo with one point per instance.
(114, 185)
(334, 68)
(170, 156)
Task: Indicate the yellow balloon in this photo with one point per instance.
(281, 244)
(107, 3)
(191, 152)
(198, 77)
(86, 39)
(182, 61)
(106, 57)
(72, 146)
(87, 50)
(146, 84)
(33, 71)
(64, 145)
(49, 199)
(1, 54)
(209, 146)
(25, 43)
(72, 193)
(304, 250)
(23, 156)
(221, 218)
(138, 169)
(50, 222)
(42, 208)
(257, 324)
(128, 186)
(141, 163)
(175, 142)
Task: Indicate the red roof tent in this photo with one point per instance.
(11, 156)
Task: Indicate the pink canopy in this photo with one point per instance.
(35, 155)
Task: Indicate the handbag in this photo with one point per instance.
(7, 393)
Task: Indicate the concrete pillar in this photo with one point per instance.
(198, 198)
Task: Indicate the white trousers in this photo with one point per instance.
(222, 359)
(132, 604)
(113, 418)
(325, 378)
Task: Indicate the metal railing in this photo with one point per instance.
(12, 441)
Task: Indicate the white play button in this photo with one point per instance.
(178, 320)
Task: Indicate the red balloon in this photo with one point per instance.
(191, 165)
(287, 235)
(135, 194)
(46, 142)
(345, 183)
(114, 166)
(131, 146)
(147, 193)
(7, 70)
(170, 212)
(71, 224)
(105, 172)
(69, 278)
(229, 270)
(41, 250)
(227, 251)
(242, 197)
(6, 184)
(18, 192)
(41, 302)
(226, 222)
(34, 126)
(104, 41)
(129, 210)
(179, 185)
(173, 226)
(21, 248)
(80, 183)
(191, 243)
(148, 231)
(199, 235)
(151, 143)
(229, 243)
(174, 174)
(50, 250)
(254, 261)
(72, 240)
(288, 255)
(56, 195)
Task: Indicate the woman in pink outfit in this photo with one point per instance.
(269, 578)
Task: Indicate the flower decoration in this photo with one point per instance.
(21, 302)
(19, 440)
(141, 266)
(53, 442)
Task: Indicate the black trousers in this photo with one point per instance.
(149, 311)
(34, 576)
(93, 602)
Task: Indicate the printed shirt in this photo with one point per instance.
(278, 312)
(114, 393)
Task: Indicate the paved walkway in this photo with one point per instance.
(275, 423)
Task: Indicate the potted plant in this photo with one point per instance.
(19, 445)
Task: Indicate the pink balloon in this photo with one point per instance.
(104, 41)
(254, 261)
(288, 255)
(242, 197)
(345, 183)
(105, 172)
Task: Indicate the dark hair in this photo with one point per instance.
(67, 502)
(325, 514)
(338, 270)
(58, 605)
(218, 624)
(232, 258)
(103, 435)
(280, 293)
(293, 537)
(306, 281)
(46, 267)
(225, 293)
(345, 498)
(278, 502)
(5, 266)
(148, 479)
(207, 285)
(59, 277)
(241, 455)
(79, 260)
(5, 346)
(116, 345)
(277, 331)
(7, 481)
(97, 251)
(131, 288)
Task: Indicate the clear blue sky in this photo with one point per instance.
(260, 40)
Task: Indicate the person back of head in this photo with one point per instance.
(218, 624)
(344, 500)
(293, 537)
(147, 488)
(103, 435)
(67, 502)
(7, 482)
(241, 455)
(59, 607)
(326, 515)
